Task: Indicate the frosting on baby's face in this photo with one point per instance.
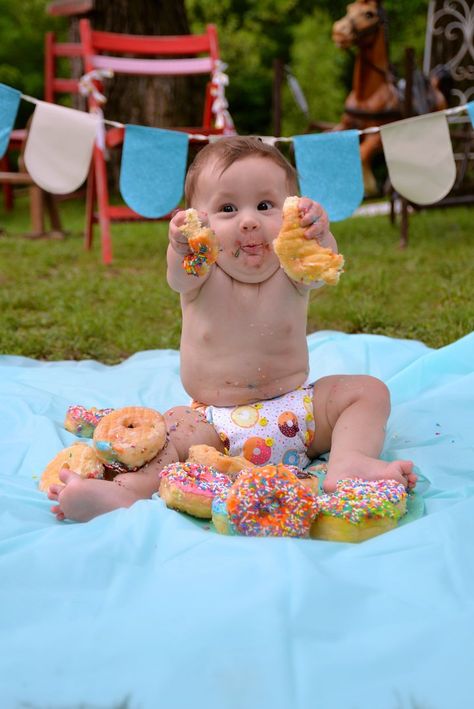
(244, 207)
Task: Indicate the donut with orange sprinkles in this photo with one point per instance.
(270, 502)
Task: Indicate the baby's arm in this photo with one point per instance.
(178, 248)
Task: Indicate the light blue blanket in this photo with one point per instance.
(146, 609)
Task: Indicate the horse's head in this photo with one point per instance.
(363, 18)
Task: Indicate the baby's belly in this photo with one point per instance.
(243, 378)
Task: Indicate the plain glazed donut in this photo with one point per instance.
(128, 438)
(190, 487)
(203, 243)
(359, 509)
(267, 502)
(81, 421)
(80, 458)
(207, 455)
(302, 259)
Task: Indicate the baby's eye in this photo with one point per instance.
(228, 208)
(264, 205)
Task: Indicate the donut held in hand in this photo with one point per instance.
(190, 487)
(266, 502)
(128, 438)
(81, 421)
(203, 243)
(359, 509)
(80, 458)
(302, 259)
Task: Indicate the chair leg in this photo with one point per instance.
(90, 205)
(404, 224)
(51, 204)
(36, 210)
(7, 188)
(103, 204)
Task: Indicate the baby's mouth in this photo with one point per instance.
(253, 248)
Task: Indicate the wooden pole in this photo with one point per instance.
(407, 112)
(277, 89)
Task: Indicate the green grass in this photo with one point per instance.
(58, 301)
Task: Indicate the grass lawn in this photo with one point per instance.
(58, 301)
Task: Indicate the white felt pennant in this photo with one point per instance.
(420, 157)
(59, 147)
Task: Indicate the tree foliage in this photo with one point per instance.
(251, 36)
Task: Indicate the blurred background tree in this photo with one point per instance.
(251, 36)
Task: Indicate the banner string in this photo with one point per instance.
(449, 112)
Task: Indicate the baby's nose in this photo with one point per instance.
(249, 224)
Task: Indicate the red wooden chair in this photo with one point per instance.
(59, 76)
(185, 55)
(58, 81)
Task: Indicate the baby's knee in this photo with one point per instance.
(374, 390)
(187, 427)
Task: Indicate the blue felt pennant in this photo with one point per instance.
(153, 169)
(330, 172)
(9, 102)
(470, 110)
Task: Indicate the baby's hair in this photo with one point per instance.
(226, 151)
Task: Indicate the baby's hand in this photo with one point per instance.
(314, 217)
(177, 239)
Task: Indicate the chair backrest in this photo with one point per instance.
(56, 84)
(449, 46)
(178, 55)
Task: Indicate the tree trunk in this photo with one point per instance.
(148, 101)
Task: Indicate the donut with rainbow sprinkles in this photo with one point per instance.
(268, 501)
(359, 509)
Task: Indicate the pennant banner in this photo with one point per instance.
(9, 103)
(470, 110)
(419, 157)
(330, 172)
(60, 143)
(59, 148)
(153, 169)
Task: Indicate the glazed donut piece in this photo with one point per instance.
(307, 479)
(264, 502)
(359, 509)
(190, 487)
(202, 242)
(81, 421)
(302, 259)
(128, 438)
(227, 464)
(80, 458)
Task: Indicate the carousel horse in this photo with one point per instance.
(375, 98)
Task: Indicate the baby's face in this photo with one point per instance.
(244, 207)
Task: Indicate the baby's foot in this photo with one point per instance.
(82, 499)
(357, 465)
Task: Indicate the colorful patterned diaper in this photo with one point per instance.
(274, 431)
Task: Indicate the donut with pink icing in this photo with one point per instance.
(190, 487)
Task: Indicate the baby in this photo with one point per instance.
(244, 355)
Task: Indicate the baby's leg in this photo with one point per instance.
(82, 500)
(350, 415)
